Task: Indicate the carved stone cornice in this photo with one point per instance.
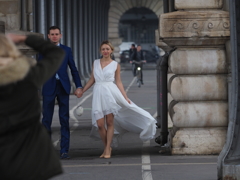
(195, 27)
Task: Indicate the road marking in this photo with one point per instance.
(146, 167)
(138, 164)
(134, 79)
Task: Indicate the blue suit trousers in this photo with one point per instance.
(48, 109)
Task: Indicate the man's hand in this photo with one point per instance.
(17, 38)
(78, 92)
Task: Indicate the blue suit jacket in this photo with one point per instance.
(49, 87)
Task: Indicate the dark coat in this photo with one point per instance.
(68, 61)
(25, 147)
(135, 57)
(131, 52)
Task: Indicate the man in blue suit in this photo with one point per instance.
(58, 86)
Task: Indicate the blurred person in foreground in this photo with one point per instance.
(26, 149)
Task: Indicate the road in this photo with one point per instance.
(132, 159)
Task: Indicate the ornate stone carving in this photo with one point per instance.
(189, 24)
(197, 4)
(195, 27)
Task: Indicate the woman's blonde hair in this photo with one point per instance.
(107, 43)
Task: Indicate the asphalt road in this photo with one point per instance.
(132, 159)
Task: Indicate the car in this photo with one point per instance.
(125, 56)
(150, 57)
(125, 46)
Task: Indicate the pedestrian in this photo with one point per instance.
(58, 86)
(26, 149)
(132, 51)
(112, 111)
(138, 56)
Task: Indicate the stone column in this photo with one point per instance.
(10, 15)
(198, 71)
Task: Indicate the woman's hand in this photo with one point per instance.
(128, 100)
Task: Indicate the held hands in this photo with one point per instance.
(78, 92)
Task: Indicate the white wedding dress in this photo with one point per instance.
(107, 99)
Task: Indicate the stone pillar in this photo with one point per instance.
(198, 71)
(10, 15)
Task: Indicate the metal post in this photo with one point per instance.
(86, 37)
(60, 17)
(90, 35)
(158, 95)
(41, 18)
(162, 103)
(80, 39)
(165, 6)
(229, 158)
(51, 13)
(172, 7)
(75, 33)
(68, 31)
(23, 15)
(163, 99)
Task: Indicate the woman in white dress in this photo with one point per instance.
(112, 111)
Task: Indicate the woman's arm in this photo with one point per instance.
(119, 83)
(90, 82)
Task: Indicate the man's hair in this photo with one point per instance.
(133, 45)
(53, 28)
(138, 45)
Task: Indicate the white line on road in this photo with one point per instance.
(146, 167)
(138, 164)
(134, 79)
(146, 162)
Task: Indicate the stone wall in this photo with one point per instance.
(198, 71)
(11, 22)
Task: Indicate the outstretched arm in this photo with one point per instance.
(119, 83)
(53, 57)
(90, 82)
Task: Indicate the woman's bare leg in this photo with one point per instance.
(110, 132)
(103, 133)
